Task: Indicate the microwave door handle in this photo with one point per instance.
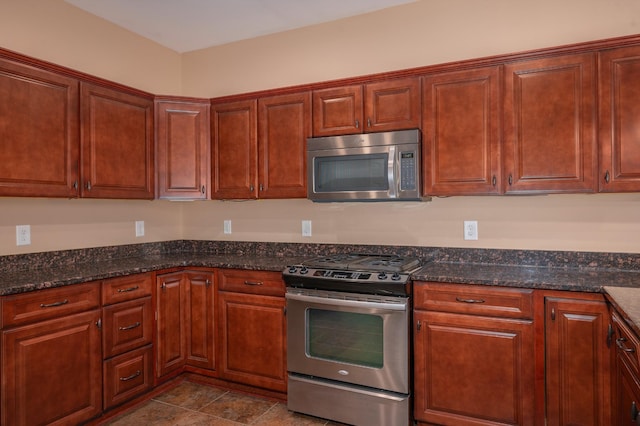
(391, 172)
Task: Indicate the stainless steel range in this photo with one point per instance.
(348, 325)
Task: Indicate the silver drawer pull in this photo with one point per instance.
(253, 282)
(54, 304)
(461, 300)
(129, 327)
(133, 376)
(126, 290)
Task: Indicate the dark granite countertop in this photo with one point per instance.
(626, 300)
(21, 281)
(536, 277)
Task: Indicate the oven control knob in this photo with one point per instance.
(382, 276)
(292, 269)
(395, 276)
(304, 270)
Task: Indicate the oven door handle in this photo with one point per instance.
(330, 301)
(391, 172)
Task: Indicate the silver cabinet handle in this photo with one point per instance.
(126, 290)
(133, 376)
(461, 300)
(54, 304)
(88, 185)
(253, 282)
(130, 327)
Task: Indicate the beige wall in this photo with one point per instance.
(417, 34)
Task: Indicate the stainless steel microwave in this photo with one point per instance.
(381, 166)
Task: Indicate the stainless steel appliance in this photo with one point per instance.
(348, 325)
(365, 167)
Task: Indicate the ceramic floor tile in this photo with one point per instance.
(190, 395)
(238, 407)
(151, 413)
(278, 415)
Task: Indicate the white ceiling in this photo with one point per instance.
(185, 25)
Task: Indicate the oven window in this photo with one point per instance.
(345, 337)
(367, 172)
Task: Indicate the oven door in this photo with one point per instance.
(352, 338)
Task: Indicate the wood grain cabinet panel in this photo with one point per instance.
(117, 144)
(619, 74)
(461, 139)
(284, 124)
(201, 319)
(52, 371)
(550, 125)
(472, 370)
(578, 362)
(182, 149)
(39, 132)
(234, 160)
(171, 323)
(127, 376)
(373, 107)
(127, 326)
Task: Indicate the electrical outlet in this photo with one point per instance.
(139, 228)
(306, 228)
(227, 226)
(470, 229)
(23, 235)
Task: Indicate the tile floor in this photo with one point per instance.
(196, 404)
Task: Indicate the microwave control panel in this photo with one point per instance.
(407, 171)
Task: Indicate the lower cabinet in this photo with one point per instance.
(626, 374)
(577, 360)
(474, 355)
(185, 321)
(51, 356)
(252, 328)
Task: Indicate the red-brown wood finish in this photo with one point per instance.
(619, 78)
(550, 124)
(461, 137)
(252, 328)
(127, 326)
(117, 144)
(129, 287)
(626, 373)
(52, 371)
(338, 111)
(201, 319)
(234, 150)
(392, 105)
(474, 360)
(39, 132)
(127, 376)
(183, 149)
(578, 362)
(284, 124)
(171, 323)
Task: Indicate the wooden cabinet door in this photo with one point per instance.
(201, 324)
(392, 105)
(472, 370)
(626, 406)
(252, 334)
(461, 139)
(182, 149)
(284, 124)
(338, 111)
(117, 144)
(171, 311)
(39, 132)
(52, 371)
(234, 150)
(619, 75)
(549, 125)
(577, 362)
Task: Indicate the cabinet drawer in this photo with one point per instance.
(127, 376)
(126, 288)
(127, 325)
(474, 300)
(257, 282)
(627, 344)
(50, 303)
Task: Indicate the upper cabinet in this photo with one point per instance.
(550, 125)
(619, 75)
(461, 139)
(39, 132)
(117, 143)
(182, 148)
(374, 107)
(258, 147)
